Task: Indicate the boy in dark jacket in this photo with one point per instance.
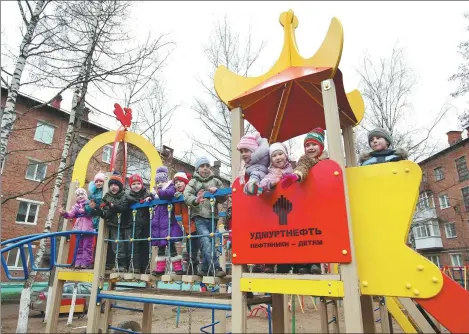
(380, 142)
(139, 194)
(116, 201)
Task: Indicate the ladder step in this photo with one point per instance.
(133, 277)
(216, 280)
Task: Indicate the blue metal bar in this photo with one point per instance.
(332, 320)
(9, 241)
(52, 255)
(121, 329)
(180, 199)
(223, 307)
(126, 308)
(269, 318)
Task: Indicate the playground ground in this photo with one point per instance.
(164, 320)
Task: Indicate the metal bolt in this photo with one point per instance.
(336, 173)
(329, 284)
(326, 85)
(365, 283)
(407, 170)
(408, 286)
(344, 251)
(434, 280)
(330, 292)
(234, 190)
(234, 255)
(394, 171)
(416, 292)
(420, 267)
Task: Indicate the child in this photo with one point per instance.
(163, 225)
(84, 257)
(201, 211)
(180, 180)
(280, 166)
(95, 188)
(116, 201)
(139, 194)
(314, 147)
(255, 154)
(380, 142)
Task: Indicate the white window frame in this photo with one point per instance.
(27, 212)
(426, 230)
(437, 261)
(444, 201)
(110, 154)
(447, 228)
(459, 256)
(35, 172)
(438, 176)
(39, 124)
(425, 201)
(18, 256)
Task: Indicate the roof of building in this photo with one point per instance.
(35, 102)
(445, 151)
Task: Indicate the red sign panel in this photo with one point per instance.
(306, 223)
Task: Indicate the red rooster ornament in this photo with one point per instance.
(123, 115)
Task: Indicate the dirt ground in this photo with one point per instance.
(164, 320)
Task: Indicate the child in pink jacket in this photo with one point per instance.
(84, 258)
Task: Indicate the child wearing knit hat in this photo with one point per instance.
(139, 194)
(95, 189)
(380, 142)
(201, 212)
(116, 201)
(314, 147)
(181, 179)
(255, 160)
(84, 222)
(279, 167)
(164, 224)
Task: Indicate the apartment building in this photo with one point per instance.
(34, 151)
(440, 227)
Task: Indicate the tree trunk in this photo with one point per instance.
(9, 112)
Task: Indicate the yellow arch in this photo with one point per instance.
(86, 153)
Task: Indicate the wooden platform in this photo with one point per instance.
(134, 277)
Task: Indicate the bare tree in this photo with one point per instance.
(31, 18)
(225, 47)
(386, 87)
(462, 76)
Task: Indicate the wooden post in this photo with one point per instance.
(351, 161)
(220, 315)
(352, 309)
(384, 315)
(323, 315)
(94, 309)
(106, 316)
(335, 314)
(238, 298)
(416, 315)
(280, 318)
(58, 285)
(147, 318)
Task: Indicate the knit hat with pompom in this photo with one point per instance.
(249, 142)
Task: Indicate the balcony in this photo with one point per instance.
(424, 215)
(431, 242)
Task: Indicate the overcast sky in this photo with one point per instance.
(429, 32)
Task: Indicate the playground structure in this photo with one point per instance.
(335, 217)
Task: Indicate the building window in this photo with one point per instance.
(36, 170)
(14, 260)
(44, 133)
(465, 196)
(107, 154)
(450, 230)
(439, 174)
(435, 259)
(425, 230)
(425, 201)
(461, 167)
(28, 212)
(456, 260)
(444, 201)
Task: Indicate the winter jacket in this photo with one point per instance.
(305, 163)
(120, 205)
(97, 196)
(378, 157)
(83, 223)
(181, 209)
(275, 175)
(142, 215)
(196, 184)
(258, 166)
(161, 219)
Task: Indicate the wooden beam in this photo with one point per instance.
(352, 309)
(280, 112)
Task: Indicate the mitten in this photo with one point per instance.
(288, 180)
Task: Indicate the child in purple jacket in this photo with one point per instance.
(84, 258)
(164, 225)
